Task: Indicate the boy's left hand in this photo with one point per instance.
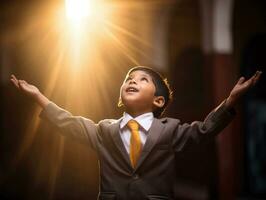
(241, 88)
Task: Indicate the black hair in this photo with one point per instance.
(162, 87)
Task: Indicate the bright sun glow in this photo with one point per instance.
(78, 9)
(80, 51)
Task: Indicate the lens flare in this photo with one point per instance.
(77, 9)
(79, 51)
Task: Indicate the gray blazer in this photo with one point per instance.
(153, 177)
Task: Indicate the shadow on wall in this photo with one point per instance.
(197, 163)
(187, 77)
(253, 59)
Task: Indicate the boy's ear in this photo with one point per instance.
(159, 101)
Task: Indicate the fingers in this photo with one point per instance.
(13, 77)
(22, 84)
(241, 80)
(251, 82)
(256, 77)
(14, 80)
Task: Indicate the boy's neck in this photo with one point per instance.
(135, 113)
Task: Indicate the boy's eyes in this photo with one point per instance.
(128, 78)
(142, 79)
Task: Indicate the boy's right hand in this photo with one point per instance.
(30, 90)
(24, 87)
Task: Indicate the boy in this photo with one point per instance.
(137, 152)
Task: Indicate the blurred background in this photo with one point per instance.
(78, 52)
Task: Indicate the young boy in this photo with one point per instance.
(137, 152)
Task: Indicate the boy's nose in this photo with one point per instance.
(132, 81)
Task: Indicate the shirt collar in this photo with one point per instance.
(144, 120)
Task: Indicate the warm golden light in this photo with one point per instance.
(80, 50)
(77, 9)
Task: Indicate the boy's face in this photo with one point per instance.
(138, 92)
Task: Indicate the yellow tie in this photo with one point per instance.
(135, 143)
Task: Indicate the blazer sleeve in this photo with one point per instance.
(213, 124)
(76, 127)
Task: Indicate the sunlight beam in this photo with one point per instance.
(77, 10)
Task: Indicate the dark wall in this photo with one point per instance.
(249, 30)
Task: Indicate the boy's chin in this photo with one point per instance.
(131, 103)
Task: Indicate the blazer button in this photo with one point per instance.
(135, 176)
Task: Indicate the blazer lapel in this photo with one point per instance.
(153, 135)
(114, 129)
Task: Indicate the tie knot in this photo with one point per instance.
(133, 125)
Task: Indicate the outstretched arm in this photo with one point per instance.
(77, 127)
(241, 88)
(30, 90)
(217, 119)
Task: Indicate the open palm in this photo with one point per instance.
(23, 86)
(243, 86)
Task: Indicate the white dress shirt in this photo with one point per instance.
(144, 120)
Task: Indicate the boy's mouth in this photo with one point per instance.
(132, 89)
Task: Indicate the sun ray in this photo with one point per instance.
(80, 68)
(128, 33)
(122, 46)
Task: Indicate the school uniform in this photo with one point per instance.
(154, 174)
